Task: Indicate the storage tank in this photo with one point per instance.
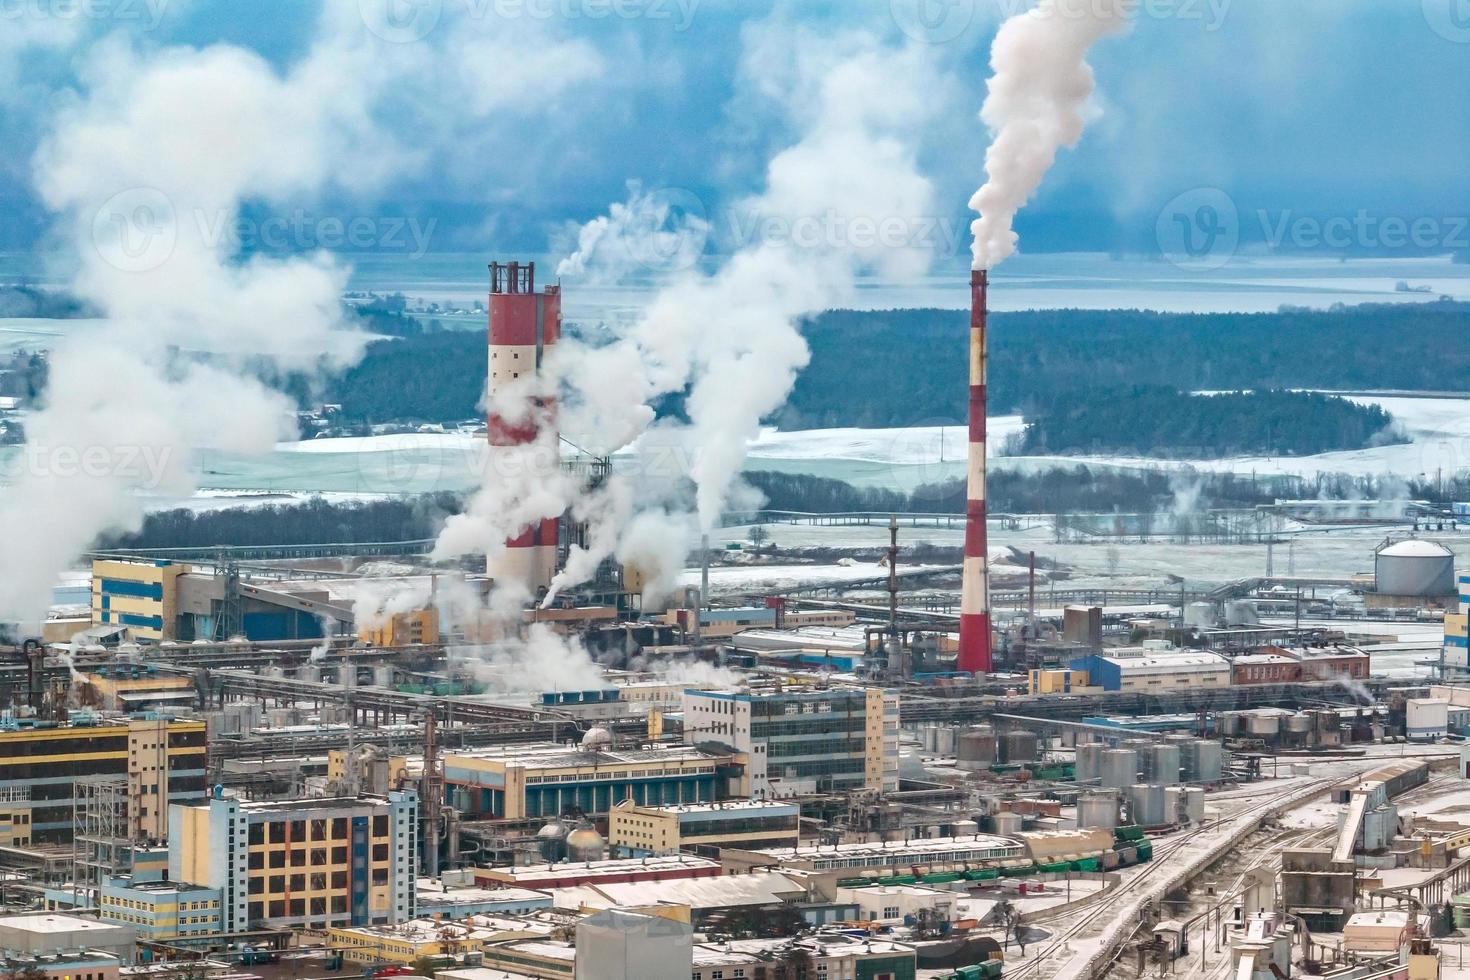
(944, 741)
(966, 828)
(1298, 724)
(1161, 764)
(1414, 567)
(1146, 805)
(1263, 724)
(1173, 803)
(1089, 761)
(1119, 768)
(584, 844)
(976, 749)
(1007, 824)
(1098, 808)
(383, 676)
(1018, 746)
(1228, 723)
(310, 673)
(1210, 762)
(1194, 804)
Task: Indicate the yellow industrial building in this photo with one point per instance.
(155, 761)
(292, 864)
(403, 629)
(639, 831)
(143, 596)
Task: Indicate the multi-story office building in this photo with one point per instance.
(301, 863)
(805, 740)
(155, 761)
(141, 595)
(644, 830)
(531, 781)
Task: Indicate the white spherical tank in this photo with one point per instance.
(1414, 567)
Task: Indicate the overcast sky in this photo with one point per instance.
(1320, 107)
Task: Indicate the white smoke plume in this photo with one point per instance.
(731, 338)
(147, 167)
(1037, 104)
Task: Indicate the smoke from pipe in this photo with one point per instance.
(1037, 104)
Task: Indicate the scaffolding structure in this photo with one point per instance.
(102, 846)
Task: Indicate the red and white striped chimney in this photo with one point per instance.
(524, 326)
(975, 653)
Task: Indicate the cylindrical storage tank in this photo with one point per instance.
(966, 828)
(1227, 723)
(311, 673)
(1146, 805)
(930, 739)
(1089, 761)
(944, 741)
(1097, 809)
(1173, 803)
(1119, 768)
(1264, 724)
(1007, 824)
(1416, 568)
(383, 676)
(1298, 724)
(1211, 762)
(976, 749)
(1161, 764)
(1018, 746)
(1194, 804)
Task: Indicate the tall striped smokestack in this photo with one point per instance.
(975, 653)
(524, 326)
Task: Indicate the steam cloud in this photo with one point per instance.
(729, 339)
(1036, 105)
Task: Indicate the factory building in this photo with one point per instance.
(143, 596)
(937, 854)
(151, 762)
(802, 741)
(301, 863)
(638, 831)
(531, 781)
(1456, 656)
(161, 910)
(1142, 669)
(161, 600)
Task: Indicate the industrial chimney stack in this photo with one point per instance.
(975, 654)
(524, 326)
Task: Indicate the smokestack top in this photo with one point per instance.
(512, 277)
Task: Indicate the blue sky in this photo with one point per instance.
(1293, 107)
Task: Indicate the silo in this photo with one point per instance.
(1146, 805)
(944, 741)
(1007, 824)
(966, 828)
(310, 673)
(1097, 809)
(1089, 761)
(1228, 724)
(1210, 765)
(1263, 724)
(1173, 803)
(1194, 804)
(1161, 764)
(1018, 746)
(929, 738)
(1119, 768)
(383, 676)
(1416, 568)
(976, 749)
